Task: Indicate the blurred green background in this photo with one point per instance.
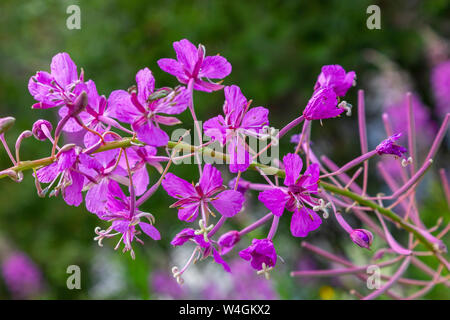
(276, 49)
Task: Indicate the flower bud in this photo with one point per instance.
(362, 238)
(80, 103)
(228, 240)
(6, 123)
(38, 130)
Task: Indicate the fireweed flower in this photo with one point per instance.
(124, 220)
(138, 158)
(143, 109)
(440, 81)
(207, 247)
(260, 252)
(238, 122)
(95, 116)
(335, 77)
(388, 146)
(65, 172)
(297, 194)
(103, 173)
(193, 64)
(209, 190)
(22, 276)
(322, 105)
(58, 88)
(333, 82)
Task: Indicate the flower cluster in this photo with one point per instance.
(125, 142)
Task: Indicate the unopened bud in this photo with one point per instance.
(362, 238)
(6, 123)
(228, 240)
(38, 130)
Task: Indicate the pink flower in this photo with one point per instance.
(58, 88)
(207, 246)
(333, 82)
(334, 76)
(192, 64)
(66, 170)
(143, 108)
(208, 191)
(239, 121)
(296, 196)
(259, 252)
(125, 220)
(138, 158)
(103, 174)
(322, 105)
(388, 146)
(22, 276)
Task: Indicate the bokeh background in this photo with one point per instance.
(277, 49)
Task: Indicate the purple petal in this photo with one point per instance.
(96, 197)
(228, 203)
(186, 53)
(293, 165)
(239, 157)
(63, 69)
(322, 105)
(183, 236)
(150, 230)
(151, 135)
(48, 174)
(215, 67)
(72, 193)
(145, 83)
(234, 103)
(303, 221)
(211, 179)
(216, 129)
(177, 187)
(255, 119)
(175, 103)
(168, 121)
(67, 159)
(140, 180)
(312, 178)
(189, 212)
(275, 200)
(172, 67)
(121, 108)
(218, 258)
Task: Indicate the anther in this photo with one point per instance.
(406, 162)
(346, 106)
